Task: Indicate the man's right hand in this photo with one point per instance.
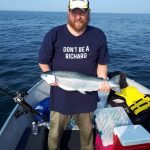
(54, 84)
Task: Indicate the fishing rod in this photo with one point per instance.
(18, 97)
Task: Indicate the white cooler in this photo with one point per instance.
(133, 137)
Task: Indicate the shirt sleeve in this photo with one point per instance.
(103, 53)
(47, 48)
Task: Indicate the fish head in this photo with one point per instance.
(48, 77)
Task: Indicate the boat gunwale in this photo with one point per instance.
(15, 109)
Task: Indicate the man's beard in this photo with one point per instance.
(78, 25)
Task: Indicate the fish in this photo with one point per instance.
(74, 81)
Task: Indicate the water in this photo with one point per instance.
(21, 33)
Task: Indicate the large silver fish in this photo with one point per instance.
(74, 81)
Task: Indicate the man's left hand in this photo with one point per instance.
(104, 87)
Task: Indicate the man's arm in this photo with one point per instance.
(44, 67)
(102, 73)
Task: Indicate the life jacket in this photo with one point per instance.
(135, 100)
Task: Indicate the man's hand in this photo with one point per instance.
(104, 87)
(45, 68)
(54, 83)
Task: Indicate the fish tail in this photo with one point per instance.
(115, 83)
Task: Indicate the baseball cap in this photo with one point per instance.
(82, 4)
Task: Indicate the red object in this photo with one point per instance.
(118, 146)
(99, 144)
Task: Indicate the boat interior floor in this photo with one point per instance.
(70, 140)
(29, 141)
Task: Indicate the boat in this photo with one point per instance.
(16, 128)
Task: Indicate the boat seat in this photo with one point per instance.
(29, 141)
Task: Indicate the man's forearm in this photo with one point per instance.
(44, 67)
(102, 71)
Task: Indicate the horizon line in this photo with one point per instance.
(66, 12)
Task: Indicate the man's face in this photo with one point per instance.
(78, 19)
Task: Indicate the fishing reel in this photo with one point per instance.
(19, 97)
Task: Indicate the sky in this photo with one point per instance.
(99, 6)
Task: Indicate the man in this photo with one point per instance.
(78, 47)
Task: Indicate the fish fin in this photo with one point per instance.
(83, 92)
(65, 87)
(115, 80)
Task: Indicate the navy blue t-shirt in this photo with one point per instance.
(66, 52)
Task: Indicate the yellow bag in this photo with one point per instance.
(136, 100)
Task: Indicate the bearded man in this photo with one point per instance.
(79, 47)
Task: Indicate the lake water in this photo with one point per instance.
(21, 34)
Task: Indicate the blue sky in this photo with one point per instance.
(102, 6)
